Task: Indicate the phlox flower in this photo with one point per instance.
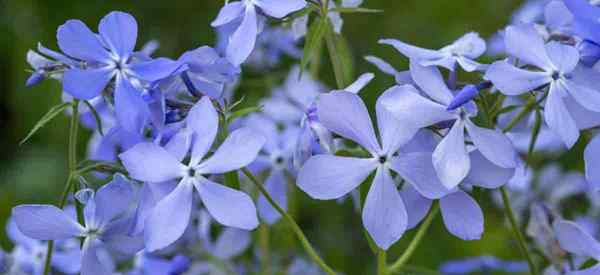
(149, 162)
(328, 177)
(575, 239)
(245, 15)
(106, 226)
(559, 69)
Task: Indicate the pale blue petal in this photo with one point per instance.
(239, 149)
(231, 242)
(90, 261)
(417, 206)
(152, 163)
(558, 117)
(462, 216)
(592, 162)
(280, 8)
(493, 144)
(431, 81)
(362, 81)
(203, 120)
(583, 87)
(346, 114)
(242, 41)
(410, 51)
(113, 199)
(563, 57)
(417, 169)
(395, 128)
(45, 222)
(119, 31)
(450, 158)
(486, 174)
(228, 206)
(511, 80)
(573, 238)
(228, 13)
(78, 41)
(130, 108)
(179, 145)
(155, 70)
(276, 186)
(170, 218)
(327, 177)
(524, 43)
(384, 214)
(86, 84)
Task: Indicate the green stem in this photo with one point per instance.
(521, 115)
(72, 166)
(381, 262)
(398, 265)
(263, 235)
(519, 236)
(295, 227)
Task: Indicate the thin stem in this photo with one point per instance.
(263, 235)
(521, 115)
(398, 265)
(519, 236)
(72, 166)
(381, 262)
(297, 230)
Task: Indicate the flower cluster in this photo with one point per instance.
(177, 155)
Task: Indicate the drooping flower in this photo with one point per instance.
(463, 51)
(559, 69)
(450, 158)
(108, 56)
(106, 225)
(245, 15)
(154, 164)
(328, 177)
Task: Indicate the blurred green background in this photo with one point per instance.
(35, 172)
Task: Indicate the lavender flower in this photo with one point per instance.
(152, 163)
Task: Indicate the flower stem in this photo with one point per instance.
(519, 236)
(297, 230)
(381, 262)
(521, 115)
(263, 235)
(72, 166)
(397, 266)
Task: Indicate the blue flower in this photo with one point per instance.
(106, 225)
(482, 264)
(242, 41)
(559, 70)
(463, 51)
(108, 56)
(152, 163)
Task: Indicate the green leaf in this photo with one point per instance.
(356, 10)
(243, 112)
(346, 58)
(51, 114)
(535, 132)
(232, 180)
(314, 38)
(96, 116)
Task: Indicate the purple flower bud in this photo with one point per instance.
(465, 95)
(34, 79)
(589, 52)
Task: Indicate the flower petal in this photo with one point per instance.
(149, 162)
(239, 149)
(130, 108)
(113, 199)
(384, 214)
(583, 86)
(592, 161)
(417, 206)
(417, 169)
(119, 31)
(228, 13)
(78, 41)
(346, 114)
(327, 177)
(276, 185)
(564, 57)
(486, 174)
(86, 84)
(45, 222)
(170, 217)
(242, 41)
(280, 8)
(574, 239)
(462, 216)
(511, 80)
(179, 144)
(431, 81)
(493, 144)
(155, 69)
(450, 158)
(228, 206)
(558, 118)
(203, 120)
(231, 242)
(524, 43)
(410, 51)
(90, 261)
